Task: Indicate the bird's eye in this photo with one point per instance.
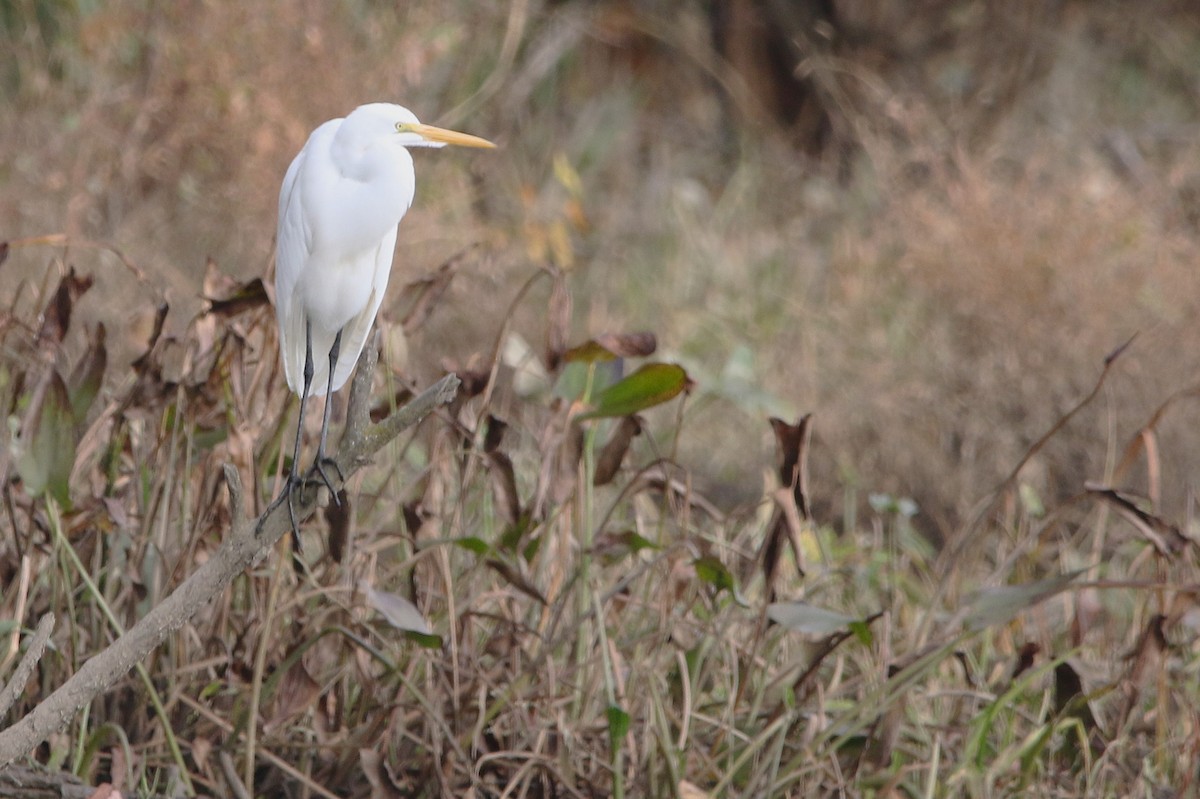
(403, 127)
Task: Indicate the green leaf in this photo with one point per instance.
(510, 539)
(862, 631)
(531, 548)
(712, 571)
(613, 547)
(618, 726)
(425, 640)
(652, 384)
(635, 542)
(802, 617)
(46, 448)
(993, 606)
(473, 544)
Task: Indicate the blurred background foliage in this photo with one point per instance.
(927, 223)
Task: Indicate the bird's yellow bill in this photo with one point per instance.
(430, 133)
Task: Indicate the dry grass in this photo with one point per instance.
(939, 299)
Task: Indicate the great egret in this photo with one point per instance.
(340, 204)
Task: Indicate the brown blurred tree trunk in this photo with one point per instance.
(767, 42)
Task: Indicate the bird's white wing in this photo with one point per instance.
(294, 245)
(354, 334)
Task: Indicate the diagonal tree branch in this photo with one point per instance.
(37, 645)
(241, 548)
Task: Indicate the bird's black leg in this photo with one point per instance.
(324, 460)
(293, 479)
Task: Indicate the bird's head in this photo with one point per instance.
(385, 120)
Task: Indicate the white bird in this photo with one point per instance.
(340, 204)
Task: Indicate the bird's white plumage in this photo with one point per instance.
(341, 201)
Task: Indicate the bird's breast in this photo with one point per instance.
(352, 218)
(339, 288)
(352, 210)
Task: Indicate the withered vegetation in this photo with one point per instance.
(827, 423)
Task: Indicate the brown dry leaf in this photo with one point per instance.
(56, 318)
(613, 452)
(787, 525)
(297, 692)
(338, 515)
(504, 486)
(1071, 701)
(793, 443)
(226, 297)
(150, 387)
(629, 345)
(415, 517)
(1167, 538)
(382, 786)
(772, 552)
(496, 428)
(160, 317)
(201, 751)
(474, 383)
(1025, 659)
(1147, 438)
(590, 351)
(610, 346)
(688, 790)
(1184, 611)
(243, 297)
(500, 467)
(791, 500)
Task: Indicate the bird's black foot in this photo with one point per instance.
(318, 467)
(294, 481)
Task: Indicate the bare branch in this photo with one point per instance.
(30, 659)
